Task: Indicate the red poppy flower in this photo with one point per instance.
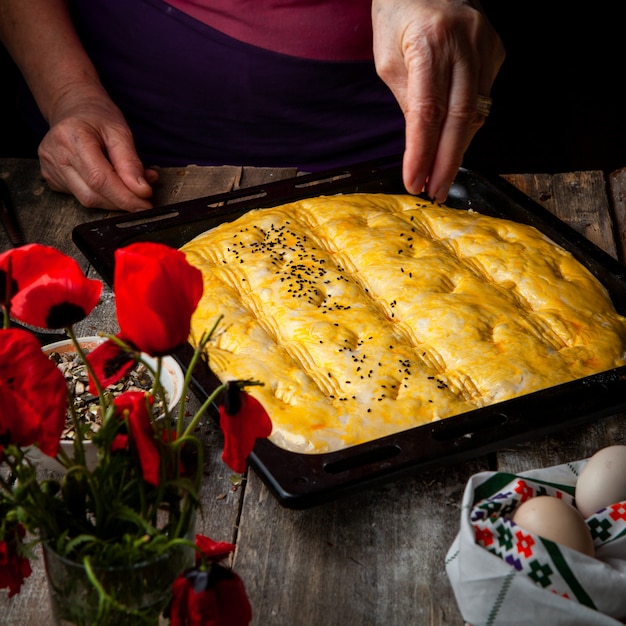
(33, 394)
(14, 568)
(212, 550)
(48, 289)
(109, 362)
(156, 293)
(243, 420)
(215, 597)
(24, 265)
(132, 406)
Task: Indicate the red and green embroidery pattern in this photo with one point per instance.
(540, 559)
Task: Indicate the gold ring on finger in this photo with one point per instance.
(483, 105)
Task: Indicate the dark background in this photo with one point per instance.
(15, 138)
(558, 100)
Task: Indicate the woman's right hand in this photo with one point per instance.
(89, 152)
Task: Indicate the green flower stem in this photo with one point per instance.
(26, 496)
(197, 354)
(64, 458)
(158, 390)
(184, 521)
(202, 410)
(186, 384)
(93, 488)
(79, 445)
(179, 444)
(105, 601)
(8, 292)
(151, 511)
(157, 387)
(70, 331)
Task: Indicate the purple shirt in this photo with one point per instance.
(330, 30)
(192, 94)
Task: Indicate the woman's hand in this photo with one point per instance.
(89, 152)
(436, 56)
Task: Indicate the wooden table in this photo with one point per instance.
(374, 558)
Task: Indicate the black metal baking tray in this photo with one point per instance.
(303, 480)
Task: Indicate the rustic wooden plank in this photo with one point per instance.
(177, 184)
(252, 176)
(46, 216)
(372, 558)
(578, 198)
(617, 192)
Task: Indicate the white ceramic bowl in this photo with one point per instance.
(172, 379)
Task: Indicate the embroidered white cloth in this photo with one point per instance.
(504, 575)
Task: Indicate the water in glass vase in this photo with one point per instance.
(134, 595)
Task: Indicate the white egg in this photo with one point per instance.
(602, 480)
(556, 520)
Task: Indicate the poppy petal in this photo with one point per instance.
(156, 293)
(109, 362)
(234, 607)
(14, 568)
(34, 393)
(132, 405)
(216, 597)
(242, 428)
(120, 442)
(28, 263)
(213, 550)
(51, 289)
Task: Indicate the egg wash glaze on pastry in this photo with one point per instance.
(369, 314)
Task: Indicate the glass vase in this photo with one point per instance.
(136, 595)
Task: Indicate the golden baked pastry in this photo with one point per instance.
(368, 314)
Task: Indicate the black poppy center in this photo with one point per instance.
(64, 314)
(232, 401)
(8, 287)
(116, 362)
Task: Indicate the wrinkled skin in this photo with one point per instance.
(436, 57)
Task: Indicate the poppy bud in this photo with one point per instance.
(215, 596)
(232, 400)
